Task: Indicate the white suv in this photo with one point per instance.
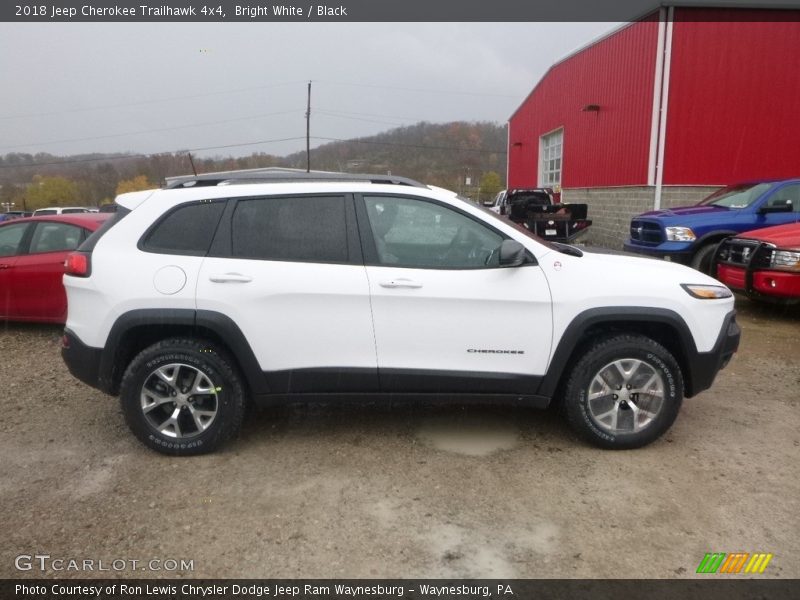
(228, 287)
(61, 210)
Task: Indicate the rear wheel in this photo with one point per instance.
(625, 391)
(182, 397)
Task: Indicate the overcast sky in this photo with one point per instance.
(115, 87)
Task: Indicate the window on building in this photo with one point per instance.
(550, 158)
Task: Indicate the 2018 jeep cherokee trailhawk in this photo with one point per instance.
(275, 286)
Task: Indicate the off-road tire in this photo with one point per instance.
(228, 395)
(625, 349)
(703, 259)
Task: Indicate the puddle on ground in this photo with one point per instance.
(473, 435)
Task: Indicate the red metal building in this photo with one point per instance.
(681, 100)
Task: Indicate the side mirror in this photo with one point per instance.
(488, 202)
(777, 208)
(512, 253)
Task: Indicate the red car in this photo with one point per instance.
(32, 254)
(764, 263)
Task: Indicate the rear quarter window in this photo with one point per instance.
(187, 229)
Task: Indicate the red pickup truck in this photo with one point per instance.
(763, 263)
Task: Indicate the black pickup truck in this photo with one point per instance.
(537, 210)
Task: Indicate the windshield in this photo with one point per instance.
(736, 196)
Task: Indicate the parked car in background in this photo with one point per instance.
(61, 210)
(32, 255)
(13, 214)
(690, 234)
(764, 264)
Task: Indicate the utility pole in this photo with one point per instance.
(192, 163)
(308, 130)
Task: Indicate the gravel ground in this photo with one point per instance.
(411, 491)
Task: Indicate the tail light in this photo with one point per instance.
(78, 264)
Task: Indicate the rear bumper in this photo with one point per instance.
(82, 361)
(706, 365)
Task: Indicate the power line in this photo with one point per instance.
(420, 146)
(146, 102)
(115, 135)
(250, 89)
(330, 114)
(362, 114)
(253, 143)
(422, 90)
(130, 156)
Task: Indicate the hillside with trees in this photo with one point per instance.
(466, 157)
(438, 154)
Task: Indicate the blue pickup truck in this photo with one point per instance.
(690, 234)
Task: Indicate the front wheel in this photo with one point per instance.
(182, 397)
(624, 392)
(703, 259)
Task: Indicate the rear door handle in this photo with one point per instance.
(2, 266)
(400, 282)
(230, 278)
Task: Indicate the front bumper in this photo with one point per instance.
(759, 283)
(679, 252)
(705, 365)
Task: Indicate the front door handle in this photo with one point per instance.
(4, 266)
(230, 278)
(400, 282)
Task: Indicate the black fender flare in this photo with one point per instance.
(618, 315)
(219, 325)
(719, 235)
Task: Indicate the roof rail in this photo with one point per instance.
(280, 175)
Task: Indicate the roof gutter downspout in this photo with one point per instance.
(662, 128)
(508, 151)
(658, 80)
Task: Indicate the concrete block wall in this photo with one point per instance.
(611, 209)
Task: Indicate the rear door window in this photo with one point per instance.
(298, 229)
(55, 237)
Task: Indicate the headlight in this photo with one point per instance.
(680, 234)
(785, 259)
(706, 292)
